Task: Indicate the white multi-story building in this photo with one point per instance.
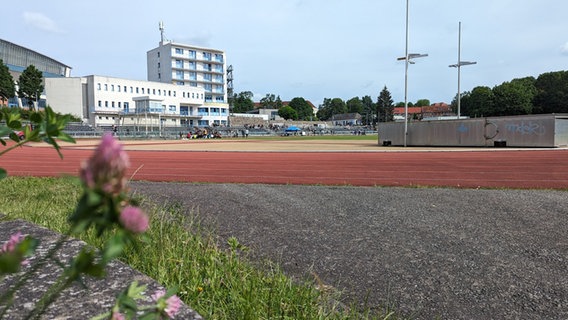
(191, 66)
(107, 101)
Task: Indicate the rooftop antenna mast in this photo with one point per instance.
(162, 37)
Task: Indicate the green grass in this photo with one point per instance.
(350, 137)
(218, 281)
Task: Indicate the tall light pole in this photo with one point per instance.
(458, 65)
(407, 61)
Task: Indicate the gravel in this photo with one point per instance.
(429, 252)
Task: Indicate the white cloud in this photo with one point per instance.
(564, 49)
(41, 21)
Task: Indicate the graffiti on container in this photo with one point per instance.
(526, 128)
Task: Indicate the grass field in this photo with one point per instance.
(352, 137)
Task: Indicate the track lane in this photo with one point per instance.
(472, 169)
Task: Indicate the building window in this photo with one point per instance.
(218, 57)
(180, 83)
(131, 89)
(153, 91)
(192, 65)
(106, 104)
(207, 56)
(192, 54)
(193, 84)
(125, 88)
(172, 108)
(106, 87)
(99, 86)
(158, 65)
(208, 77)
(158, 54)
(142, 90)
(118, 88)
(119, 104)
(136, 89)
(179, 51)
(112, 87)
(179, 74)
(112, 104)
(179, 64)
(100, 103)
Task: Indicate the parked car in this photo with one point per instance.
(21, 135)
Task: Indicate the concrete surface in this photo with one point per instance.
(76, 302)
(429, 252)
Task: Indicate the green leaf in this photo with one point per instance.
(65, 137)
(4, 131)
(36, 117)
(3, 173)
(113, 247)
(135, 291)
(9, 263)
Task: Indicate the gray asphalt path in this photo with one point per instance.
(430, 252)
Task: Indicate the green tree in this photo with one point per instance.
(269, 101)
(515, 97)
(278, 102)
(243, 102)
(30, 85)
(422, 103)
(7, 86)
(288, 112)
(480, 102)
(303, 109)
(338, 106)
(354, 105)
(552, 93)
(331, 107)
(369, 110)
(324, 110)
(385, 106)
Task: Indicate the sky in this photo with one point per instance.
(313, 49)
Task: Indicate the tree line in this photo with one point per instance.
(299, 109)
(548, 93)
(30, 84)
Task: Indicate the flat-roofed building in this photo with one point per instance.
(17, 58)
(192, 66)
(106, 101)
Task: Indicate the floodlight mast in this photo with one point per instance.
(407, 61)
(458, 66)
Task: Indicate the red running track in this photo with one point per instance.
(470, 169)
